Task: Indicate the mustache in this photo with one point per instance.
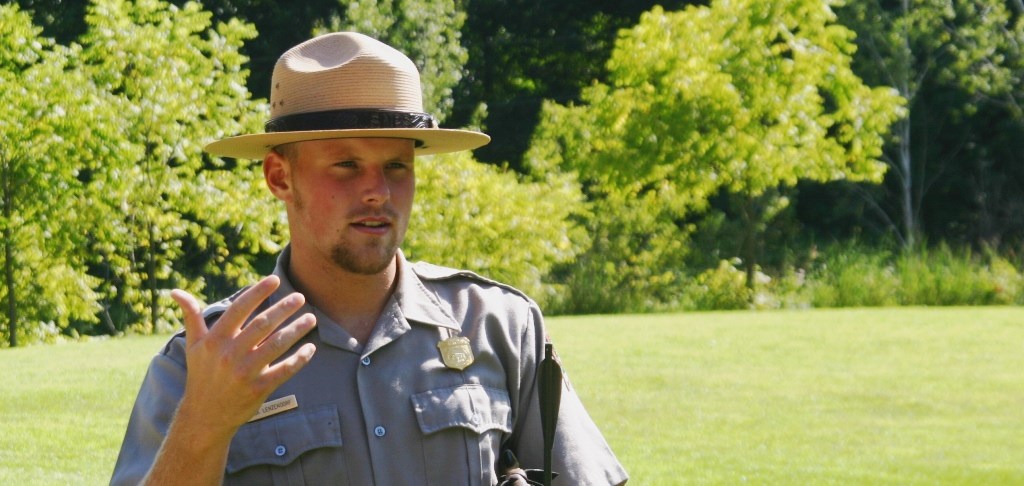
(385, 212)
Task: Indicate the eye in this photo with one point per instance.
(345, 164)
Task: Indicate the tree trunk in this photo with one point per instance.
(907, 188)
(748, 248)
(905, 157)
(12, 302)
(151, 278)
(8, 235)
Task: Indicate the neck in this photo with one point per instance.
(353, 301)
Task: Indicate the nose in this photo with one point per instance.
(375, 187)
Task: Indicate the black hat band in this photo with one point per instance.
(349, 120)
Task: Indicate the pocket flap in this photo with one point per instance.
(279, 440)
(473, 407)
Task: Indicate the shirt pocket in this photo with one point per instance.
(463, 425)
(287, 448)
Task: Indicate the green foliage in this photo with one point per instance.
(958, 64)
(179, 82)
(855, 277)
(723, 287)
(494, 222)
(943, 276)
(859, 275)
(744, 97)
(52, 112)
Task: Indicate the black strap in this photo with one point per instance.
(349, 120)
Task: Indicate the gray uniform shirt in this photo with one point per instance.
(390, 412)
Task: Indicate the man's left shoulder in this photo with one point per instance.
(430, 273)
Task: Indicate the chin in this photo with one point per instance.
(362, 264)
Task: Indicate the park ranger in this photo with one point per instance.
(349, 365)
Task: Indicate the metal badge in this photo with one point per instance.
(456, 353)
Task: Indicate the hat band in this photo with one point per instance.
(349, 120)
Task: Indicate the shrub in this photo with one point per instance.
(493, 222)
(723, 287)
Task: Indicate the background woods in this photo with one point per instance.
(691, 155)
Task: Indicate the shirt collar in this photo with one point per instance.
(414, 301)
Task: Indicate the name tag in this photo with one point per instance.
(275, 407)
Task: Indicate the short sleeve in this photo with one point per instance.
(151, 415)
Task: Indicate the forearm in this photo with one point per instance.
(190, 454)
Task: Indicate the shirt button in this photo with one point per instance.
(280, 450)
(365, 361)
(379, 431)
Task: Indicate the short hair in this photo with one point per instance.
(289, 151)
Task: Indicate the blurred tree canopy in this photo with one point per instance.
(634, 146)
(740, 96)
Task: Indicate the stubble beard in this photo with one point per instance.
(375, 260)
(362, 264)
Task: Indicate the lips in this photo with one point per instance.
(372, 225)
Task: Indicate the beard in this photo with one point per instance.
(370, 262)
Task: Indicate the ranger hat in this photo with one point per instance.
(346, 85)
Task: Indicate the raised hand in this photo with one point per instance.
(231, 371)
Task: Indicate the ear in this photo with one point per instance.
(276, 172)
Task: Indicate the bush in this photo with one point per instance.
(858, 275)
(493, 222)
(723, 287)
(851, 276)
(944, 277)
(861, 276)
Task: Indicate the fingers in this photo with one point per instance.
(195, 327)
(241, 308)
(281, 340)
(266, 322)
(280, 372)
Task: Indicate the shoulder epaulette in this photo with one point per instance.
(431, 272)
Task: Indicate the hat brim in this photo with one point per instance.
(430, 140)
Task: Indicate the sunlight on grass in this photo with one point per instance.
(896, 396)
(65, 407)
(879, 396)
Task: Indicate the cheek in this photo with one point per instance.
(403, 199)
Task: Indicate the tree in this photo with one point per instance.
(740, 96)
(946, 58)
(53, 120)
(522, 52)
(495, 222)
(179, 82)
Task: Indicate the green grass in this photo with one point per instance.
(856, 396)
(63, 408)
(852, 396)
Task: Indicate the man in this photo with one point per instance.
(349, 365)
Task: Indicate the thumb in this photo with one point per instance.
(195, 326)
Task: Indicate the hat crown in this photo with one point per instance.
(344, 71)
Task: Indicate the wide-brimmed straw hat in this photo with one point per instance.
(346, 85)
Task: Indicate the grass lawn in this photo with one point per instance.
(861, 396)
(856, 396)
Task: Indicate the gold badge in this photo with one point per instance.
(456, 353)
